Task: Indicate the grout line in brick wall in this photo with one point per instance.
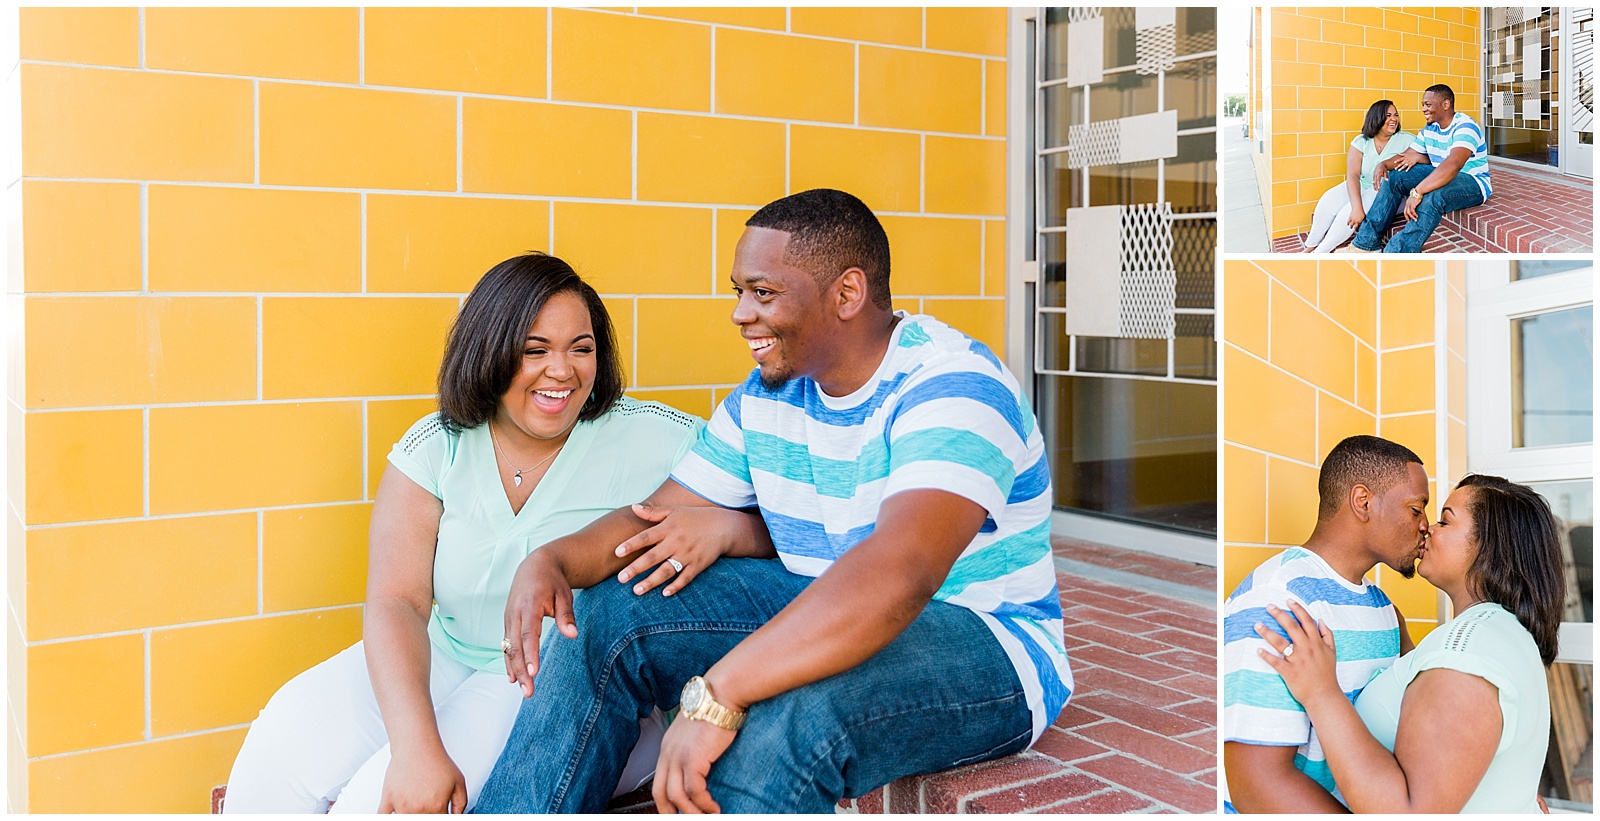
(712, 78)
(549, 53)
(924, 24)
(633, 156)
(635, 378)
(575, 103)
(855, 86)
(203, 623)
(174, 736)
(141, 37)
(261, 563)
(550, 227)
(490, 196)
(788, 158)
(361, 46)
(197, 514)
(459, 144)
(259, 357)
(715, 263)
(147, 685)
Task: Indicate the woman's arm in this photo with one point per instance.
(1449, 728)
(1352, 186)
(404, 532)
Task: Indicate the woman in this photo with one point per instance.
(532, 441)
(1462, 722)
(1340, 211)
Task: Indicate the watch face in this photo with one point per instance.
(694, 693)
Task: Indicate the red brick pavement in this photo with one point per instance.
(1529, 212)
(1140, 733)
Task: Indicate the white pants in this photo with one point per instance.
(321, 740)
(1330, 223)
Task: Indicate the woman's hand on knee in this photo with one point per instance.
(682, 542)
(423, 782)
(1356, 216)
(538, 589)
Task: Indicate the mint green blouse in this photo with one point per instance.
(615, 460)
(1486, 641)
(1371, 156)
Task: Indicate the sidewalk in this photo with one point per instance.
(1244, 220)
(1140, 732)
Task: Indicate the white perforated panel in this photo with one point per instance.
(1094, 144)
(1155, 39)
(1079, 13)
(1149, 284)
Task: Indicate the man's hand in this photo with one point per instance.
(688, 750)
(425, 782)
(1411, 206)
(538, 589)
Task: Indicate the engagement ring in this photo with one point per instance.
(677, 566)
(1289, 652)
(505, 646)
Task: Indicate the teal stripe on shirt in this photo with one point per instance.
(722, 455)
(1361, 645)
(794, 462)
(1255, 689)
(958, 446)
(1318, 770)
(1004, 557)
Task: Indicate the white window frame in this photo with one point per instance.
(1493, 301)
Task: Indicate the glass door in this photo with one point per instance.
(1125, 198)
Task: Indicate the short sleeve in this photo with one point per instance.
(1477, 664)
(1360, 143)
(424, 452)
(958, 428)
(1257, 706)
(715, 466)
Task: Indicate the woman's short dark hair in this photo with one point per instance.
(1518, 565)
(1375, 117)
(484, 351)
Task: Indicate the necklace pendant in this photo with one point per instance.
(516, 481)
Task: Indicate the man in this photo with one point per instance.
(913, 623)
(1374, 496)
(1445, 169)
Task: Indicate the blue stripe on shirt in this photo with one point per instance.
(1309, 588)
(808, 539)
(1055, 693)
(976, 387)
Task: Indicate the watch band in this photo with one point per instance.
(708, 710)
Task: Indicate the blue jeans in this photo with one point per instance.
(942, 694)
(1461, 192)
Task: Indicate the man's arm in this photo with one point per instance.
(864, 600)
(1442, 174)
(542, 585)
(1264, 779)
(1399, 162)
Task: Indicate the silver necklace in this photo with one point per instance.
(516, 477)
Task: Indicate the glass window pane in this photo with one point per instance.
(1133, 449)
(1573, 505)
(1552, 366)
(1192, 90)
(1136, 356)
(1192, 175)
(1533, 268)
(1063, 106)
(1194, 351)
(1194, 257)
(1567, 782)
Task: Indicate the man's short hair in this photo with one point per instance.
(1442, 90)
(830, 231)
(1379, 464)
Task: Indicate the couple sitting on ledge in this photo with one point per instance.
(1444, 169)
(865, 523)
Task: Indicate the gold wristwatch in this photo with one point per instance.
(698, 703)
(1415, 194)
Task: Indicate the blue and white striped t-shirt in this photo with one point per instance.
(1256, 705)
(1463, 132)
(940, 413)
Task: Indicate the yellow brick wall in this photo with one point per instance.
(245, 231)
(1329, 64)
(1314, 352)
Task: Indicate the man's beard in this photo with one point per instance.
(776, 381)
(1406, 570)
